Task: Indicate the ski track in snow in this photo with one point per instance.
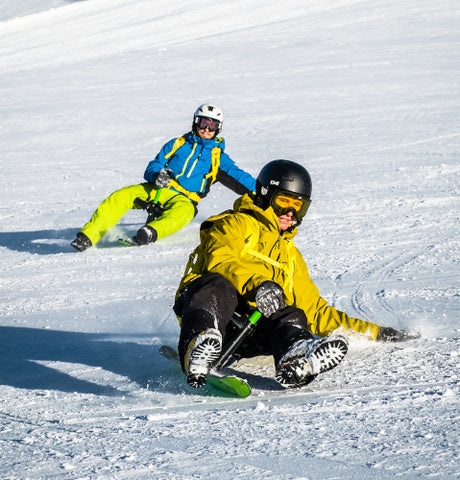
(366, 96)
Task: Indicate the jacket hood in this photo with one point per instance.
(214, 142)
(268, 218)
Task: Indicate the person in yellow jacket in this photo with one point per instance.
(247, 260)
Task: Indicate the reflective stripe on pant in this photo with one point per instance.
(178, 211)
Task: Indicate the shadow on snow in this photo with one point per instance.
(49, 242)
(21, 350)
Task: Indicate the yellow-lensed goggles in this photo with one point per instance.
(283, 202)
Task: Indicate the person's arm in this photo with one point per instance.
(232, 183)
(234, 177)
(322, 318)
(158, 163)
(327, 318)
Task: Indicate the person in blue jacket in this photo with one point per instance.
(177, 179)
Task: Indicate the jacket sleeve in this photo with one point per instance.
(234, 177)
(158, 162)
(322, 318)
(231, 183)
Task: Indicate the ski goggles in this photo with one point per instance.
(285, 202)
(209, 123)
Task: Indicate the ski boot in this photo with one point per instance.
(307, 358)
(202, 352)
(82, 242)
(145, 235)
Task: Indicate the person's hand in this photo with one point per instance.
(269, 298)
(163, 178)
(388, 334)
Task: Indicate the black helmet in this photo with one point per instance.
(284, 177)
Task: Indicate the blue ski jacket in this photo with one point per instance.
(197, 163)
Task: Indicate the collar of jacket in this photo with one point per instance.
(267, 218)
(214, 142)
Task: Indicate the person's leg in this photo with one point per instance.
(207, 303)
(112, 209)
(178, 212)
(286, 327)
(204, 308)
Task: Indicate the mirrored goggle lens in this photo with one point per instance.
(211, 125)
(283, 204)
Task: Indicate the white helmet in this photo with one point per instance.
(209, 111)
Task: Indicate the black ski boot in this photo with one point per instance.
(82, 242)
(307, 358)
(202, 352)
(145, 235)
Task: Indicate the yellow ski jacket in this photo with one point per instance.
(247, 247)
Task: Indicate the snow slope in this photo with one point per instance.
(365, 94)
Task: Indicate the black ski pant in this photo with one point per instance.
(211, 301)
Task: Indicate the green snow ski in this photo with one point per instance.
(227, 383)
(126, 243)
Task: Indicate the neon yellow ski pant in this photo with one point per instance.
(178, 211)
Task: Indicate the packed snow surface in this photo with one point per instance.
(365, 94)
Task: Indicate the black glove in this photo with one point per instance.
(163, 178)
(269, 298)
(388, 334)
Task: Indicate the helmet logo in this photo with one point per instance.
(274, 182)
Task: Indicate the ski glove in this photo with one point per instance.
(388, 334)
(163, 178)
(269, 298)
